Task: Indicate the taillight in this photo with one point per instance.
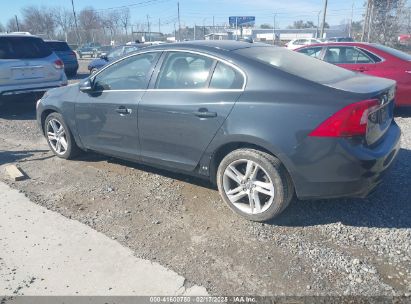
(349, 121)
(58, 64)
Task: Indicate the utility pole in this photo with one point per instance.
(367, 16)
(318, 25)
(159, 25)
(195, 31)
(148, 26)
(370, 21)
(179, 21)
(17, 23)
(324, 16)
(75, 22)
(274, 30)
(213, 28)
(352, 17)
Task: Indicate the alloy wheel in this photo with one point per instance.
(56, 135)
(248, 186)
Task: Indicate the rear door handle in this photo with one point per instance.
(362, 69)
(123, 110)
(204, 113)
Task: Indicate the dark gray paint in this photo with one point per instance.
(275, 113)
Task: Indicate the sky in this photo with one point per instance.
(201, 12)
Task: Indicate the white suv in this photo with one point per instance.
(28, 65)
(296, 43)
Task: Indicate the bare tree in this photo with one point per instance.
(63, 18)
(89, 21)
(385, 21)
(124, 18)
(39, 20)
(11, 26)
(2, 28)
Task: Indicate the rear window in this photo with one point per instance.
(297, 64)
(23, 48)
(58, 46)
(393, 52)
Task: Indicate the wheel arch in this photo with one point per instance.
(224, 149)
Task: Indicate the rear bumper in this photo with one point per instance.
(30, 88)
(346, 169)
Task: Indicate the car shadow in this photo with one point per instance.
(388, 207)
(14, 156)
(21, 107)
(94, 157)
(403, 112)
(78, 76)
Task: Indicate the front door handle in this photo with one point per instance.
(123, 110)
(204, 113)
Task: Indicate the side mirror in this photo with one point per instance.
(104, 57)
(86, 86)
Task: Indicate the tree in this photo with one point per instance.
(386, 17)
(300, 24)
(39, 20)
(89, 21)
(124, 18)
(11, 25)
(63, 18)
(2, 28)
(266, 26)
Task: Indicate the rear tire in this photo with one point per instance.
(59, 137)
(254, 184)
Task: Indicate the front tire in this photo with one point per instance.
(254, 184)
(59, 137)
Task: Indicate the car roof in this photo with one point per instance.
(55, 41)
(346, 43)
(19, 35)
(215, 45)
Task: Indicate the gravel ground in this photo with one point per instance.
(328, 247)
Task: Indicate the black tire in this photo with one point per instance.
(273, 168)
(72, 149)
(93, 71)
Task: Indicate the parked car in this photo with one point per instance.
(369, 58)
(339, 39)
(105, 50)
(88, 50)
(28, 65)
(116, 53)
(65, 53)
(261, 122)
(404, 39)
(296, 43)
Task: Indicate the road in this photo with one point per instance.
(327, 247)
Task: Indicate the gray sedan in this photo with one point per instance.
(264, 124)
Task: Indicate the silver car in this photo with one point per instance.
(28, 65)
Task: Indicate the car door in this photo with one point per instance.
(351, 58)
(187, 104)
(106, 117)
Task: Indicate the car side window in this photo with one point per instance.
(132, 73)
(226, 77)
(182, 70)
(312, 52)
(346, 55)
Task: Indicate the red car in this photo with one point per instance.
(368, 58)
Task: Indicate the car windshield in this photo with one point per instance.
(297, 64)
(58, 46)
(23, 48)
(393, 52)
